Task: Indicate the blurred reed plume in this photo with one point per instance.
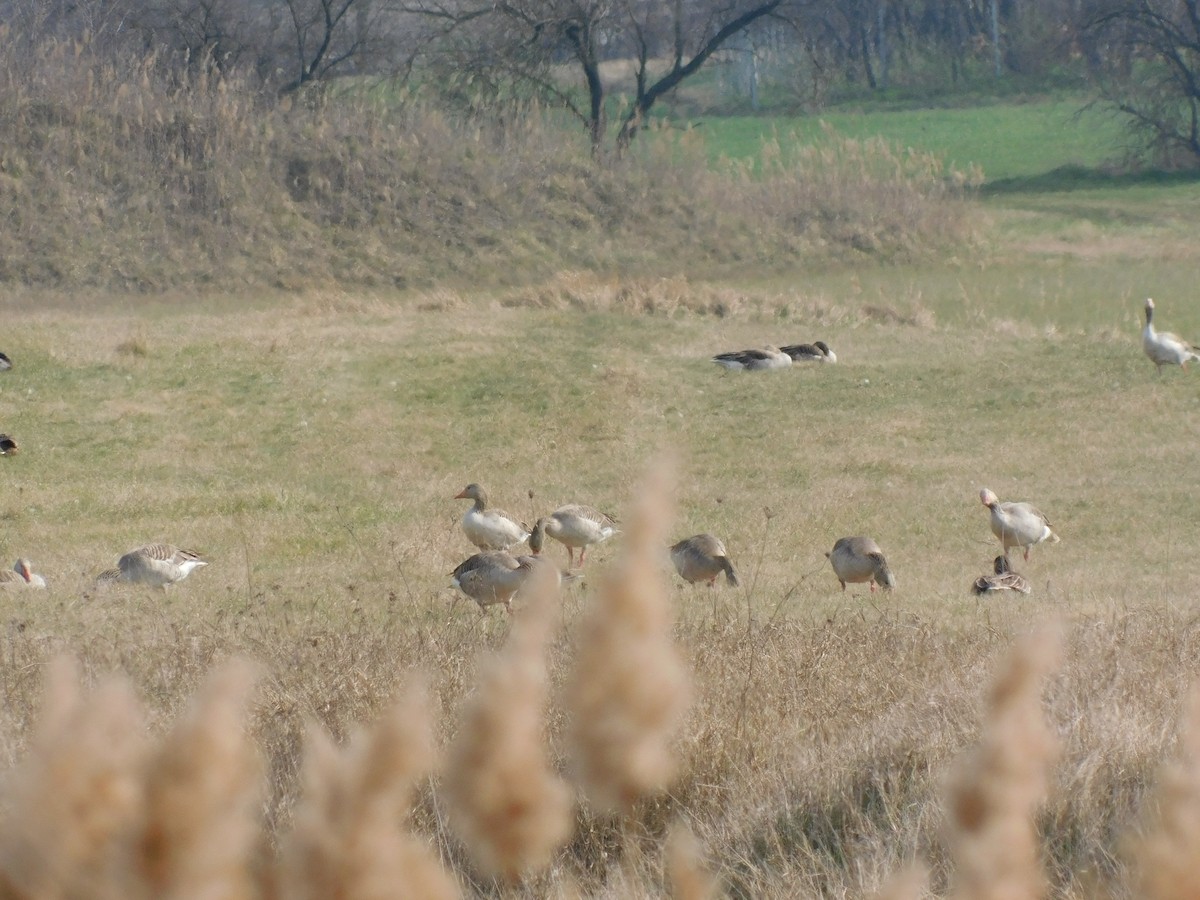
(998, 786)
(689, 879)
(629, 689)
(509, 808)
(910, 884)
(348, 839)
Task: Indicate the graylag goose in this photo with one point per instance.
(5, 362)
(702, 557)
(859, 559)
(816, 352)
(158, 565)
(1164, 348)
(108, 578)
(21, 575)
(1017, 524)
(8, 447)
(1003, 579)
(578, 527)
(490, 577)
(489, 529)
(769, 357)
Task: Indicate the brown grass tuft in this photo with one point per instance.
(999, 785)
(629, 689)
(347, 840)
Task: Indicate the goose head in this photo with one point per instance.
(1000, 565)
(1149, 310)
(988, 499)
(24, 568)
(472, 492)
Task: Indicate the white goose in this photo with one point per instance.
(489, 529)
(859, 559)
(1164, 348)
(1017, 524)
(21, 575)
(577, 526)
(158, 565)
(702, 557)
(769, 357)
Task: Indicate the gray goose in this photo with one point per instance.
(21, 575)
(702, 557)
(578, 527)
(859, 559)
(158, 565)
(815, 352)
(489, 529)
(769, 357)
(1003, 579)
(1017, 524)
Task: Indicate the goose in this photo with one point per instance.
(1017, 524)
(1004, 579)
(816, 352)
(769, 357)
(1164, 348)
(108, 578)
(702, 557)
(158, 565)
(490, 577)
(21, 575)
(489, 529)
(537, 540)
(8, 447)
(859, 559)
(579, 526)
(5, 362)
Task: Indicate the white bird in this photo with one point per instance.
(702, 557)
(1017, 524)
(158, 565)
(21, 575)
(859, 559)
(1004, 579)
(769, 357)
(577, 526)
(489, 529)
(815, 352)
(1164, 348)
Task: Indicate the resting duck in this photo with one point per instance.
(577, 526)
(818, 352)
(1004, 579)
(489, 529)
(5, 362)
(8, 447)
(859, 559)
(158, 565)
(21, 575)
(1164, 348)
(768, 357)
(702, 557)
(1017, 524)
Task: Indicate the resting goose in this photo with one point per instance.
(702, 557)
(1017, 524)
(158, 565)
(816, 352)
(1004, 579)
(577, 526)
(1164, 348)
(21, 575)
(8, 447)
(859, 559)
(768, 357)
(489, 529)
(5, 362)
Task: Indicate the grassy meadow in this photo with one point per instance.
(310, 443)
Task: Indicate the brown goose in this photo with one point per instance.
(577, 526)
(158, 565)
(1004, 579)
(769, 357)
(1164, 348)
(702, 557)
(21, 575)
(1017, 524)
(815, 352)
(859, 559)
(489, 529)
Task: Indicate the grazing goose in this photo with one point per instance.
(8, 447)
(21, 575)
(158, 565)
(490, 577)
(702, 557)
(818, 352)
(1004, 579)
(859, 559)
(1017, 524)
(489, 529)
(5, 362)
(753, 360)
(108, 578)
(579, 526)
(1164, 348)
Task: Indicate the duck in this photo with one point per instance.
(1004, 579)
(159, 565)
(1164, 348)
(1017, 524)
(8, 447)
(859, 559)
(5, 362)
(702, 557)
(769, 357)
(489, 529)
(576, 526)
(815, 352)
(21, 575)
